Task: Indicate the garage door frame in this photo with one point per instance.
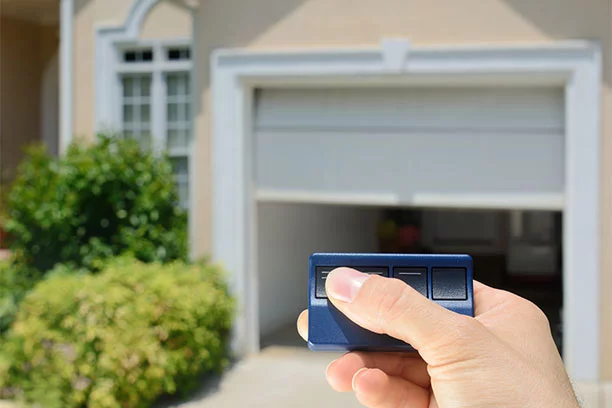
(574, 65)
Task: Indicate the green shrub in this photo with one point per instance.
(120, 338)
(15, 282)
(98, 201)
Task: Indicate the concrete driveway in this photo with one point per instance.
(279, 376)
(284, 374)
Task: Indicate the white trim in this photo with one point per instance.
(310, 197)
(66, 74)
(581, 219)
(577, 65)
(554, 202)
(146, 67)
(491, 201)
(158, 113)
(195, 100)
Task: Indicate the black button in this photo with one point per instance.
(373, 270)
(449, 283)
(413, 276)
(321, 276)
(323, 271)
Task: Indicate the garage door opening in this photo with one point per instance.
(520, 251)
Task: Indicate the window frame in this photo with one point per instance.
(158, 69)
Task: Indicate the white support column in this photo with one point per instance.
(582, 222)
(158, 105)
(66, 74)
(195, 95)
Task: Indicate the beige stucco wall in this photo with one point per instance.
(90, 14)
(25, 50)
(167, 20)
(269, 24)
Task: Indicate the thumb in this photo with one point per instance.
(389, 306)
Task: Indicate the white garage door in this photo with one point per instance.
(412, 146)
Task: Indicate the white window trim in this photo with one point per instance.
(66, 124)
(574, 65)
(157, 68)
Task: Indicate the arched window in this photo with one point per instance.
(143, 83)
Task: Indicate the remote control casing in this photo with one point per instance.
(447, 280)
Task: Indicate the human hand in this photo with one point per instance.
(504, 357)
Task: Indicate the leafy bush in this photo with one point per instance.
(120, 338)
(98, 201)
(15, 282)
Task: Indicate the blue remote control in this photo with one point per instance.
(445, 279)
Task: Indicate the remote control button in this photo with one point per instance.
(321, 276)
(322, 272)
(449, 283)
(373, 270)
(413, 276)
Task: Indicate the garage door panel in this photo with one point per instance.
(412, 109)
(397, 153)
(410, 164)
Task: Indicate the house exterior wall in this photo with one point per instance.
(25, 51)
(294, 24)
(90, 14)
(167, 20)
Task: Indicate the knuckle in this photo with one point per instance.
(530, 312)
(536, 314)
(466, 328)
(463, 340)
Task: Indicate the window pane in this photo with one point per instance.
(183, 193)
(128, 87)
(174, 54)
(178, 54)
(184, 112)
(178, 127)
(179, 166)
(145, 140)
(136, 108)
(145, 86)
(182, 86)
(178, 84)
(187, 85)
(128, 114)
(172, 85)
(136, 56)
(173, 114)
(129, 56)
(145, 113)
(177, 138)
(147, 55)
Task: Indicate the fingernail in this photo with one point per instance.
(357, 374)
(344, 283)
